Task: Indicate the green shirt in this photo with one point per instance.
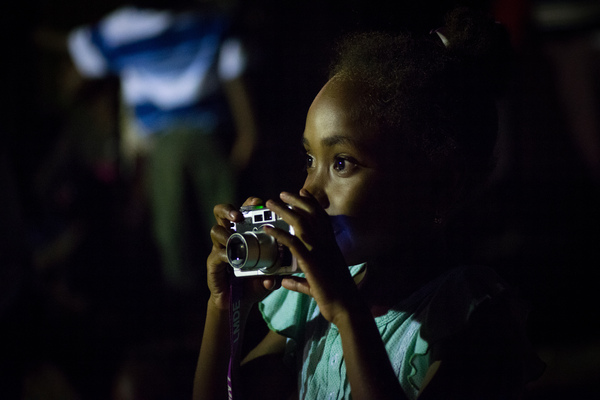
(314, 345)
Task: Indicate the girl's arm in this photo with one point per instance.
(263, 373)
(210, 381)
(368, 366)
(328, 281)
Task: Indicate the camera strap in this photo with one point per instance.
(235, 336)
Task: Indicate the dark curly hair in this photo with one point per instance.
(429, 100)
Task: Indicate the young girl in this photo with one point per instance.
(401, 133)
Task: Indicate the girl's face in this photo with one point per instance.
(388, 203)
(341, 170)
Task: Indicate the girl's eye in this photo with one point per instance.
(309, 161)
(344, 165)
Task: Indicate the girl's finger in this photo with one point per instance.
(306, 202)
(272, 282)
(253, 201)
(219, 235)
(299, 248)
(280, 209)
(299, 216)
(296, 284)
(227, 213)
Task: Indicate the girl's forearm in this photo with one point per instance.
(210, 381)
(368, 366)
(211, 371)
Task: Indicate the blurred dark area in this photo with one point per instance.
(83, 312)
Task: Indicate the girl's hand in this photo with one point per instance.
(328, 278)
(255, 288)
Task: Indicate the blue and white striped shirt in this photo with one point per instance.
(170, 64)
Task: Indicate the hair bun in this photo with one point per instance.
(481, 46)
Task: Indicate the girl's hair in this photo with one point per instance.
(429, 100)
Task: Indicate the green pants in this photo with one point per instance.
(188, 176)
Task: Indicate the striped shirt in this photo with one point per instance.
(171, 65)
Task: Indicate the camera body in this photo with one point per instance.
(252, 252)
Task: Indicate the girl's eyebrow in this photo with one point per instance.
(331, 141)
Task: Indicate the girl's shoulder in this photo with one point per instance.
(459, 294)
(474, 320)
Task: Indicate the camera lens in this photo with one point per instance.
(252, 251)
(236, 252)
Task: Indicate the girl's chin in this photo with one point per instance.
(357, 246)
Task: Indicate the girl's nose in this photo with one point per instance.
(315, 187)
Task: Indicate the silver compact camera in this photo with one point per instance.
(252, 252)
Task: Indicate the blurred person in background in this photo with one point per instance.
(184, 107)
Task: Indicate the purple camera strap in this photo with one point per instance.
(235, 336)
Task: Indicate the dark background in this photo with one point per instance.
(79, 288)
